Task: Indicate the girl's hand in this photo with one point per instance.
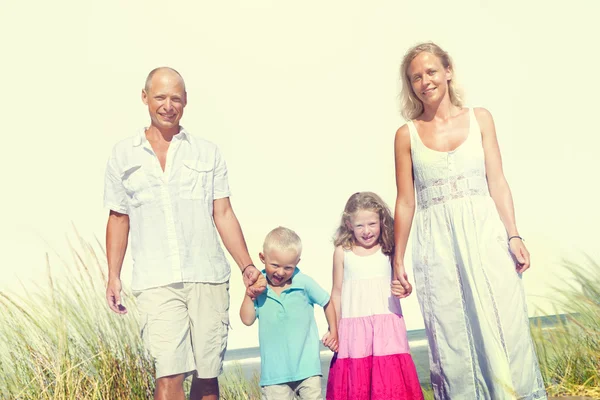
(398, 290)
(520, 254)
(401, 287)
(330, 340)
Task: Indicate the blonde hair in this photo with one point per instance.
(282, 238)
(411, 106)
(371, 202)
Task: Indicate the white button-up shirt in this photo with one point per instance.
(172, 232)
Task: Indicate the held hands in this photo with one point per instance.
(520, 254)
(113, 296)
(254, 281)
(330, 340)
(400, 286)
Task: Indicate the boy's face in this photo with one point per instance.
(279, 265)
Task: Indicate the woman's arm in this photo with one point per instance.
(499, 189)
(404, 211)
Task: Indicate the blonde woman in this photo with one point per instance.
(467, 252)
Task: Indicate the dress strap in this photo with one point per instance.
(474, 128)
(414, 135)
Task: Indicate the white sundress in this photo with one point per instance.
(471, 296)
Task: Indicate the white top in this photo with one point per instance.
(172, 233)
(366, 287)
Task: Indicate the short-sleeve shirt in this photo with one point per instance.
(287, 331)
(172, 232)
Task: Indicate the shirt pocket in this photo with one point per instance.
(136, 185)
(196, 179)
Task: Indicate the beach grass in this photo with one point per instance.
(569, 352)
(60, 341)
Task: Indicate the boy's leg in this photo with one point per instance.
(310, 389)
(282, 391)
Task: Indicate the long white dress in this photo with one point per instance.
(470, 294)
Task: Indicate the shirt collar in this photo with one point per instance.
(140, 138)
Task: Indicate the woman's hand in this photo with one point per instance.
(521, 255)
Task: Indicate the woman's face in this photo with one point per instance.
(428, 78)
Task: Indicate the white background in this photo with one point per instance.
(301, 97)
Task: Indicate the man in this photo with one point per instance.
(169, 190)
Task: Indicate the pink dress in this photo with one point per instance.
(373, 361)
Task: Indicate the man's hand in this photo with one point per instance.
(254, 281)
(113, 296)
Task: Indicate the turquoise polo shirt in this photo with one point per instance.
(287, 331)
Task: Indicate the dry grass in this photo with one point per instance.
(569, 353)
(62, 341)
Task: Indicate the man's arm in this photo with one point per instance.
(117, 233)
(230, 231)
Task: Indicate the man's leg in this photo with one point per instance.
(165, 326)
(204, 389)
(170, 388)
(208, 306)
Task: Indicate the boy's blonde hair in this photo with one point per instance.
(411, 106)
(284, 239)
(368, 201)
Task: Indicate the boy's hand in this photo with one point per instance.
(330, 340)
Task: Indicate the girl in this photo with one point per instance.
(466, 242)
(373, 360)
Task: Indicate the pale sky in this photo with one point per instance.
(301, 98)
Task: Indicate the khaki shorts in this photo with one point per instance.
(184, 327)
(306, 389)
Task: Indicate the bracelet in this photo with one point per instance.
(249, 265)
(515, 237)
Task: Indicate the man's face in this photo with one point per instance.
(166, 99)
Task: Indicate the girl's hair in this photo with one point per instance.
(371, 202)
(411, 106)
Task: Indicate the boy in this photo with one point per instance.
(287, 332)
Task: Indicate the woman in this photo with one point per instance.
(467, 252)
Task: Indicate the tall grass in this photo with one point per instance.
(569, 353)
(62, 342)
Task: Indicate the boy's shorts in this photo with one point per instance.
(306, 389)
(184, 327)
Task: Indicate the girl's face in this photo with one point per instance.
(429, 78)
(366, 227)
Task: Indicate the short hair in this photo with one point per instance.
(155, 70)
(282, 238)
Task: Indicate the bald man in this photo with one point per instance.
(168, 190)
